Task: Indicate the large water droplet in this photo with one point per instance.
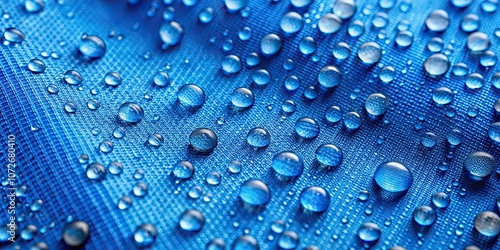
(329, 23)
(289, 240)
(288, 164)
(145, 235)
(424, 215)
(36, 66)
(315, 199)
(329, 155)
(231, 64)
(436, 65)
(235, 5)
(191, 96)
(442, 95)
(393, 177)
(242, 98)
(258, 137)
(479, 165)
(344, 9)
(112, 79)
(96, 171)
(183, 170)
(34, 6)
(270, 44)
(13, 35)
(369, 52)
(307, 128)
(130, 112)
(92, 46)
(329, 77)
(76, 233)
(203, 140)
(291, 22)
(369, 232)
(470, 23)
(255, 193)
(72, 77)
(478, 41)
(191, 220)
(438, 21)
(487, 223)
(440, 200)
(171, 33)
(376, 104)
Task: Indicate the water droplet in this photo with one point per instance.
(106, 146)
(424, 215)
(34, 6)
(380, 20)
(442, 95)
(369, 52)
(206, 15)
(13, 35)
(270, 44)
(341, 51)
(435, 44)
(235, 5)
(479, 165)
(369, 232)
(36, 205)
(213, 178)
(356, 28)
(329, 77)
(253, 59)
(461, 3)
(288, 164)
(124, 202)
(52, 89)
(289, 240)
(145, 235)
(183, 170)
(191, 96)
(291, 22)
(96, 171)
(231, 64)
(387, 74)
(470, 23)
(460, 69)
(329, 23)
(393, 177)
(140, 189)
(376, 104)
(363, 195)
(487, 223)
(329, 155)
(203, 140)
(245, 33)
(171, 33)
(474, 81)
(72, 77)
(261, 77)
(155, 140)
(93, 104)
(248, 242)
(488, 59)
(333, 114)
(76, 233)
(314, 199)
(255, 193)
(92, 46)
(307, 128)
(437, 21)
(216, 244)
(489, 6)
(455, 137)
(437, 65)
(307, 45)
(191, 220)
(195, 192)
(36, 66)
(404, 38)
(242, 98)
(258, 137)
(292, 83)
(478, 42)
(344, 9)
(29, 232)
(440, 200)
(428, 140)
(352, 121)
(234, 166)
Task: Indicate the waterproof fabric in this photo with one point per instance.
(49, 141)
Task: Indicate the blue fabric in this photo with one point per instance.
(49, 141)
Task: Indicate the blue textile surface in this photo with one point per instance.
(49, 141)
